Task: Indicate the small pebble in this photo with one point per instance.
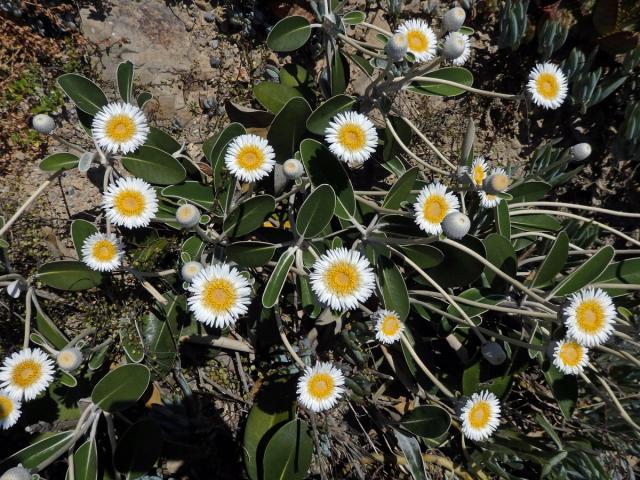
(214, 43)
(209, 17)
(215, 62)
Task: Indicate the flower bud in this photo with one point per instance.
(69, 359)
(15, 288)
(16, 473)
(453, 19)
(293, 169)
(580, 151)
(496, 183)
(187, 216)
(396, 47)
(456, 225)
(189, 270)
(454, 45)
(43, 123)
(493, 353)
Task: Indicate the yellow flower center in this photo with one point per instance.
(390, 325)
(417, 41)
(6, 406)
(104, 250)
(250, 157)
(321, 386)
(490, 197)
(352, 137)
(570, 353)
(480, 414)
(500, 181)
(129, 203)
(120, 128)
(435, 208)
(590, 316)
(547, 85)
(219, 295)
(342, 278)
(478, 174)
(26, 373)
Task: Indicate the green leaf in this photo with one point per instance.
(37, 452)
(564, 388)
(139, 449)
(97, 359)
(193, 192)
(500, 253)
(288, 453)
(411, 450)
(80, 230)
(160, 332)
(154, 166)
(193, 247)
(143, 98)
(458, 268)
(68, 380)
(69, 275)
(125, 80)
(289, 34)
(271, 293)
(288, 128)
(248, 215)
(472, 311)
(295, 75)
(535, 222)
(121, 388)
(215, 147)
(323, 168)
(274, 96)
(85, 461)
(529, 191)
(339, 73)
(83, 92)
(625, 271)
(250, 254)
(59, 161)
(471, 379)
(554, 262)
(585, 273)
(401, 189)
(354, 18)
(316, 212)
(425, 256)
(503, 220)
(162, 140)
(452, 74)
(394, 290)
(45, 327)
(427, 421)
(319, 119)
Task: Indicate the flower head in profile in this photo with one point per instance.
(421, 41)
(26, 373)
(351, 137)
(458, 42)
(320, 387)
(570, 357)
(547, 85)
(102, 252)
(589, 316)
(388, 326)
(130, 203)
(219, 295)
(433, 204)
(250, 157)
(479, 169)
(120, 127)
(9, 410)
(342, 278)
(480, 416)
(487, 200)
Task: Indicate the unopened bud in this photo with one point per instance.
(456, 225)
(454, 45)
(496, 183)
(453, 19)
(580, 151)
(69, 359)
(189, 270)
(396, 47)
(493, 353)
(187, 216)
(43, 123)
(293, 169)
(16, 473)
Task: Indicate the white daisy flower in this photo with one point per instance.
(388, 327)
(220, 295)
(26, 373)
(547, 85)
(120, 127)
(130, 203)
(570, 357)
(320, 387)
(457, 43)
(250, 158)
(351, 137)
(480, 416)
(9, 410)
(589, 316)
(479, 170)
(421, 41)
(433, 204)
(102, 252)
(342, 278)
(487, 200)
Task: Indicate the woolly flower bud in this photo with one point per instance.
(43, 123)
(292, 169)
(69, 359)
(496, 183)
(396, 47)
(453, 19)
(16, 473)
(456, 225)
(189, 270)
(494, 353)
(187, 216)
(580, 151)
(453, 46)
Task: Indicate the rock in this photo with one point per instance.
(209, 17)
(214, 43)
(215, 62)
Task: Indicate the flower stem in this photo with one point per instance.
(424, 368)
(409, 152)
